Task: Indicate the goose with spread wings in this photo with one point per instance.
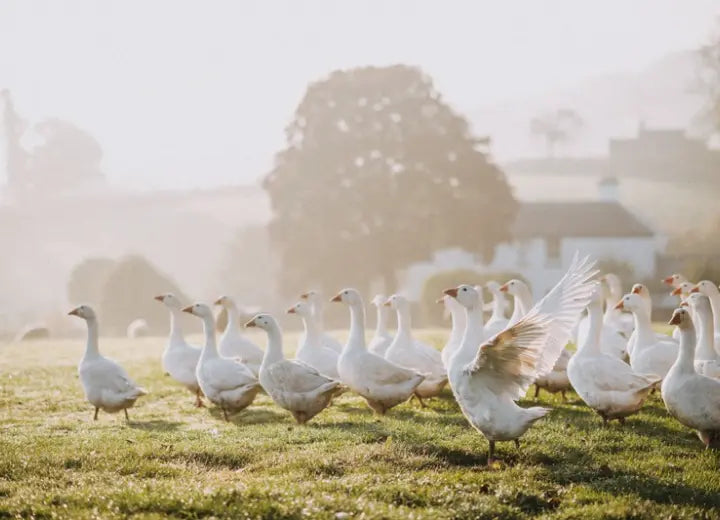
(488, 377)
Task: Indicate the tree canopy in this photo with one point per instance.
(558, 126)
(379, 172)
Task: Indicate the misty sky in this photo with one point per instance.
(197, 93)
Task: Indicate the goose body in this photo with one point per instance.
(227, 383)
(458, 317)
(651, 354)
(603, 381)
(498, 320)
(706, 360)
(406, 351)
(292, 384)
(380, 382)
(611, 340)
(179, 358)
(382, 338)
(311, 350)
(614, 318)
(233, 343)
(710, 290)
(646, 301)
(106, 384)
(315, 299)
(488, 377)
(691, 398)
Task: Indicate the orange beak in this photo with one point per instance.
(218, 301)
(668, 280)
(636, 290)
(188, 309)
(503, 288)
(159, 298)
(306, 295)
(440, 300)
(250, 323)
(619, 305)
(451, 292)
(675, 320)
(74, 312)
(336, 298)
(387, 303)
(291, 310)
(676, 292)
(695, 289)
(684, 304)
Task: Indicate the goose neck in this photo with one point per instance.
(643, 328)
(685, 362)
(92, 346)
(459, 320)
(404, 322)
(498, 306)
(357, 326)
(706, 334)
(473, 335)
(274, 350)
(714, 298)
(383, 315)
(210, 347)
(232, 320)
(592, 340)
(312, 330)
(176, 333)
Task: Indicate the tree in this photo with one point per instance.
(710, 78)
(556, 127)
(379, 172)
(87, 280)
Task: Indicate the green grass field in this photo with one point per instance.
(182, 462)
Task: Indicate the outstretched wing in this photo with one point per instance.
(511, 360)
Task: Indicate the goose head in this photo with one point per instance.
(262, 321)
(348, 296)
(169, 300)
(515, 288)
(397, 302)
(225, 301)
(681, 318)
(493, 287)
(83, 311)
(379, 300)
(613, 283)
(682, 289)
(699, 302)
(674, 279)
(301, 308)
(311, 296)
(631, 302)
(200, 310)
(466, 295)
(707, 288)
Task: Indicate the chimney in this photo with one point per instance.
(609, 189)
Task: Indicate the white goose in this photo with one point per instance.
(604, 382)
(611, 341)
(408, 352)
(458, 317)
(382, 338)
(612, 290)
(381, 383)
(675, 279)
(292, 384)
(710, 290)
(311, 350)
(233, 343)
(691, 398)
(488, 380)
(106, 384)
(556, 380)
(682, 291)
(226, 382)
(650, 355)
(498, 320)
(646, 300)
(315, 299)
(179, 358)
(706, 359)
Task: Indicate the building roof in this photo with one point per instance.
(577, 219)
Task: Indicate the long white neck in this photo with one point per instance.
(383, 314)
(643, 327)
(523, 303)
(592, 340)
(498, 306)
(274, 350)
(312, 331)
(685, 362)
(473, 335)
(404, 322)
(318, 313)
(356, 340)
(232, 329)
(176, 333)
(92, 347)
(706, 335)
(210, 348)
(459, 321)
(610, 311)
(715, 304)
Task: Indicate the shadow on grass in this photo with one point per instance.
(155, 425)
(252, 415)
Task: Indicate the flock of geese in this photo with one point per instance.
(489, 366)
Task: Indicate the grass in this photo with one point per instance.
(178, 461)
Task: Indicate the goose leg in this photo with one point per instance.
(96, 413)
(564, 397)
(127, 417)
(621, 420)
(491, 453)
(517, 444)
(422, 403)
(198, 400)
(225, 414)
(537, 391)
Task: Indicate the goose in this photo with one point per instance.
(706, 359)
(293, 385)
(233, 344)
(487, 378)
(311, 350)
(179, 358)
(556, 380)
(316, 301)
(710, 290)
(380, 382)
(226, 382)
(651, 355)
(382, 338)
(682, 291)
(106, 384)
(408, 352)
(497, 321)
(611, 341)
(612, 289)
(691, 398)
(675, 280)
(457, 315)
(604, 382)
(646, 300)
